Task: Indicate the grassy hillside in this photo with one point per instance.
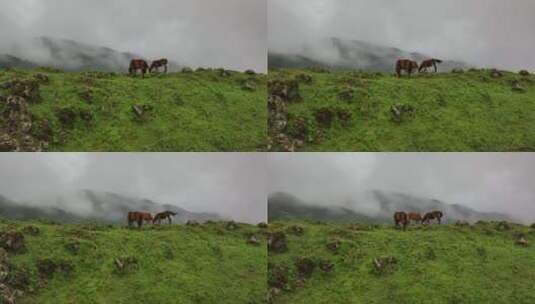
(480, 263)
(317, 110)
(207, 110)
(208, 263)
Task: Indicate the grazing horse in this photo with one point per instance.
(138, 65)
(405, 65)
(138, 217)
(429, 63)
(162, 216)
(156, 64)
(435, 215)
(401, 218)
(414, 216)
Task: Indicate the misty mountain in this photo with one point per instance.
(340, 54)
(89, 205)
(287, 206)
(70, 55)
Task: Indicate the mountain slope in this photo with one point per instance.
(340, 54)
(88, 205)
(287, 206)
(91, 263)
(205, 110)
(70, 55)
(434, 264)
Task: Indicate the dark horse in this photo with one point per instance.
(138, 65)
(406, 65)
(435, 215)
(401, 218)
(162, 216)
(156, 64)
(138, 217)
(429, 63)
(415, 216)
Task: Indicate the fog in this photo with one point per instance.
(210, 33)
(487, 33)
(230, 184)
(488, 182)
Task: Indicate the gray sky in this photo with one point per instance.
(492, 182)
(231, 184)
(492, 33)
(211, 33)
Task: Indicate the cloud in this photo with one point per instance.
(493, 182)
(491, 33)
(231, 184)
(211, 33)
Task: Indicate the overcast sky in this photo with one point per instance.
(494, 33)
(231, 184)
(494, 182)
(210, 33)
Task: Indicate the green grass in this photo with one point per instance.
(175, 264)
(452, 112)
(199, 111)
(436, 264)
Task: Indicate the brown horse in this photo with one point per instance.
(405, 65)
(138, 65)
(401, 218)
(162, 216)
(429, 63)
(138, 217)
(156, 64)
(435, 215)
(414, 216)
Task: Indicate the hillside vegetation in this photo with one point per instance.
(203, 110)
(198, 263)
(475, 110)
(317, 262)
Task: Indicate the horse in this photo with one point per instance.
(435, 215)
(429, 63)
(156, 64)
(162, 216)
(414, 216)
(401, 218)
(138, 65)
(138, 217)
(405, 65)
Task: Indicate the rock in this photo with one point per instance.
(296, 230)
(31, 230)
(287, 90)
(305, 267)
(248, 86)
(346, 95)
(494, 73)
(252, 240)
(66, 116)
(223, 73)
(277, 276)
(502, 226)
(86, 96)
(401, 111)
(46, 268)
(42, 78)
(250, 72)
(334, 245)
(517, 87)
(187, 70)
(304, 78)
(325, 116)
(12, 241)
(7, 143)
(277, 242)
(73, 247)
(522, 242)
(124, 263)
(231, 225)
(524, 73)
(326, 266)
(262, 225)
(384, 265)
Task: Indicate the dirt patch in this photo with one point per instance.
(16, 133)
(296, 230)
(494, 73)
(124, 264)
(384, 265)
(12, 241)
(327, 115)
(262, 225)
(402, 112)
(231, 225)
(305, 267)
(287, 90)
(334, 245)
(304, 78)
(253, 240)
(31, 230)
(326, 266)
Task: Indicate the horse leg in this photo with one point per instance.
(165, 69)
(435, 65)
